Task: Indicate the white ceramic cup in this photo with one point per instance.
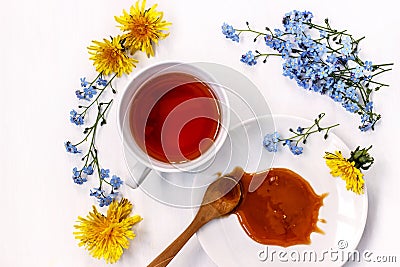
(146, 163)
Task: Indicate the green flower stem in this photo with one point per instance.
(95, 79)
(320, 27)
(92, 151)
(334, 33)
(253, 31)
(85, 138)
(101, 181)
(358, 40)
(309, 130)
(96, 161)
(267, 55)
(329, 47)
(90, 84)
(348, 78)
(328, 30)
(98, 96)
(378, 83)
(258, 32)
(361, 107)
(382, 71)
(375, 67)
(93, 128)
(363, 94)
(383, 65)
(360, 88)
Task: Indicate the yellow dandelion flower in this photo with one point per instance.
(110, 57)
(346, 169)
(143, 27)
(107, 236)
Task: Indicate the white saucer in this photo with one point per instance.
(345, 213)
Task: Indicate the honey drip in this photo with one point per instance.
(282, 211)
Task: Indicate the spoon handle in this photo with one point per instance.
(169, 253)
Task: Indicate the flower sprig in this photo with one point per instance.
(350, 169)
(142, 28)
(300, 136)
(321, 59)
(90, 159)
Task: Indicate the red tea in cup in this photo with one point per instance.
(175, 117)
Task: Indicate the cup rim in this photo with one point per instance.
(152, 71)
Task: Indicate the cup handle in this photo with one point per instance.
(139, 173)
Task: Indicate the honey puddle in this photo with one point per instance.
(282, 211)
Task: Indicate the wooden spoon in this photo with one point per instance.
(221, 197)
